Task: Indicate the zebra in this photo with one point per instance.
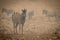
(18, 19)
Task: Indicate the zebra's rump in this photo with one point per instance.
(16, 18)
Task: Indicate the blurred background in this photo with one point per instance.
(42, 18)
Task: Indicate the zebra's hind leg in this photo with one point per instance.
(16, 28)
(13, 28)
(19, 28)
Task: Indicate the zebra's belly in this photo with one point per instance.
(16, 20)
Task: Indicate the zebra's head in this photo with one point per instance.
(24, 12)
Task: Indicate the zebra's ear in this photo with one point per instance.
(24, 10)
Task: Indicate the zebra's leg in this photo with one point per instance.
(22, 27)
(16, 27)
(19, 27)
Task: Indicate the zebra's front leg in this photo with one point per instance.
(22, 28)
(14, 28)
